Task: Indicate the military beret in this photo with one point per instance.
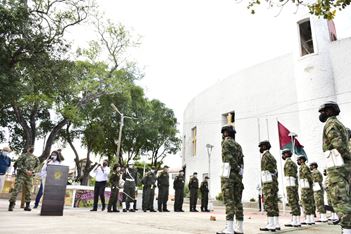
(195, 173)
(206, 177)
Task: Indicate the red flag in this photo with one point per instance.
(284, 138)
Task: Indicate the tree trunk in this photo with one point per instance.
(76, 159)
(51, 139)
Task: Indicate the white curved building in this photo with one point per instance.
(289, 88)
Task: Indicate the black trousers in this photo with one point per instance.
(178, 199)
(162, 197)
(112, 202)
(99, 191)
(148, 198)
(193, 199)
(204, 201)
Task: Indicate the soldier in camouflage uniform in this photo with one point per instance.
(334, 219)
(270, 187)
(26, 165)
(231, 181)
(336, 149)
(149, 182)
(291, 184)
(163, 189)
(114, 183)
(318, 191)
(305, 181)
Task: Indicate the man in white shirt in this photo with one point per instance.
(101, 177)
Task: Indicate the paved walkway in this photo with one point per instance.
(81, 220)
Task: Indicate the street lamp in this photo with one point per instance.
(120, 127)
(209, 148)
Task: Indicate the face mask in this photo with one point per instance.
(299, 163)
(261, 150)
(53, 157)
(323, 117)
(104, 164)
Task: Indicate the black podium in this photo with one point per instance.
(54, 190)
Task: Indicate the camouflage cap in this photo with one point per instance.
(330, 104)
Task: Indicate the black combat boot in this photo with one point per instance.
(27, 208)
(114, 208)
(11, 206)
(109, 208)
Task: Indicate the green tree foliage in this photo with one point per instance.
(33, 73)
(321, 8)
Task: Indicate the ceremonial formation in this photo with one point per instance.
(305, 183)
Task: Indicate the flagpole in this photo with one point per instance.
(282, 177)
(260, 181)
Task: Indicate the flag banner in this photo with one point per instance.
(285, 141)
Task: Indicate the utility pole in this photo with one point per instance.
(120, 127)
(209, 148)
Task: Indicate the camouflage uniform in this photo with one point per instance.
(270, 189)
(336, 137)
(149, 182)
(290, 170)
(26, 162)
(232, 187)
(114, 183)
(318, 195)
(306, 193)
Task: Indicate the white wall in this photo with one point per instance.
(288, 89)
(259, 96)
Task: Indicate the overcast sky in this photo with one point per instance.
(189, 45)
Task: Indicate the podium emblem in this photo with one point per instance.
(57, 175)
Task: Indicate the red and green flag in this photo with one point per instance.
(285, 141)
